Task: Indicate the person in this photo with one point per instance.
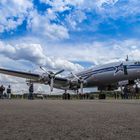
(2, 88)
(136, 91)
(68, 96)
(125, 92)
(0, 93)
(31, 90)
(132, 92)
(64, 95)
(122, 92)
(9, 92)
(84, 96)
(80, 96)
(87, 96)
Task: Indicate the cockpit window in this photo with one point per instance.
(137, 63)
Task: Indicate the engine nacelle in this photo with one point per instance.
(44, 78)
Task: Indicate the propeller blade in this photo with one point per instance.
(75, 76)
(51, 84)
(59, 72)
(52, 77)
(44, 70)
(81, 87)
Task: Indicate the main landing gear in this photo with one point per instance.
(66, 96)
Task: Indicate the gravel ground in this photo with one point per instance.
(69, 120)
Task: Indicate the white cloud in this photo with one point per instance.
(34, 53)
(61, 5)
(98, 52)
(62, 55)
(117, 8)
(101, 2)
(41, 25)
(13, 13)
(31, 52)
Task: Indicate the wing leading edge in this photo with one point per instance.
(26, 75)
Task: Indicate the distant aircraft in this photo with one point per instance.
(105, 77)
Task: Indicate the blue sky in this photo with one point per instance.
(109, 20)
(69, 34)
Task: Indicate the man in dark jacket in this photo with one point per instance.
(31, 90)
(2, 88)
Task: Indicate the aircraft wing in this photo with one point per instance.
(35, 78)
(26, 75)
(57, 82)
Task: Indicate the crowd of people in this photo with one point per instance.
(128, 92)
(5, 93)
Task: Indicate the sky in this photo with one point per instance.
(67, 34)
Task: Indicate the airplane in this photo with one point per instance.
(105, 77)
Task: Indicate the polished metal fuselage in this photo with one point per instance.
(108, 74)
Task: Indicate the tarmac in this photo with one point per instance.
(69, 120)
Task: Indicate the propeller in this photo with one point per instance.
(81, 81)
(52, 76)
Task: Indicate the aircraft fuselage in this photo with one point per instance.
(112, 73)
(109, 74)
